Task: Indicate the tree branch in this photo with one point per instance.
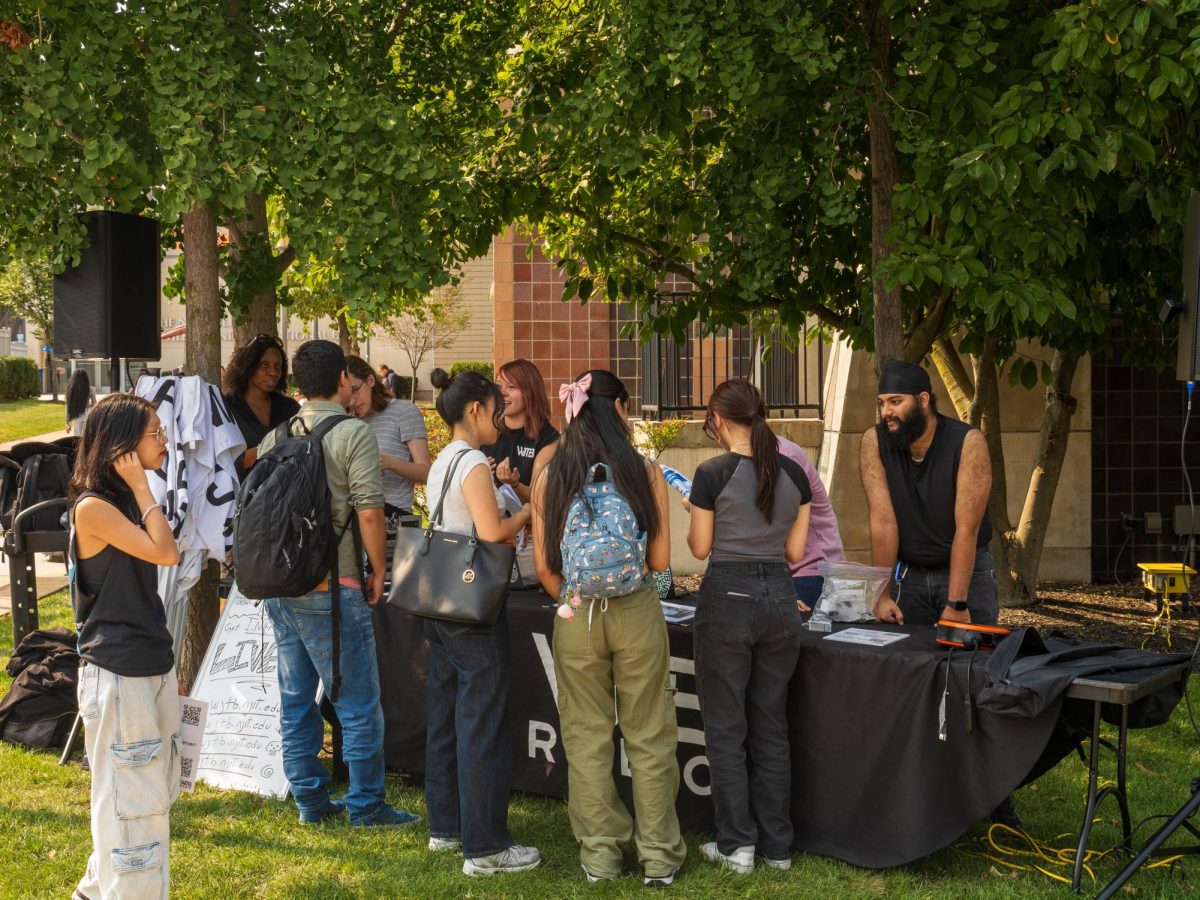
(959, 384)
(923, 336)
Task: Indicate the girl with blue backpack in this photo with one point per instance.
(749, 518)
(599, 524)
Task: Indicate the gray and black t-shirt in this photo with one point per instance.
(727, 485)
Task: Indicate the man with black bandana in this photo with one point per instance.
(927, 479)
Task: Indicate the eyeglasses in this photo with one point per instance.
(710, 429)
(355, 388)
(268, 339)
(160, 432)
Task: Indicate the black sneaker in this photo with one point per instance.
(661, 880)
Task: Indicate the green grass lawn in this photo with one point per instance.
(227, 844)
(28, 418)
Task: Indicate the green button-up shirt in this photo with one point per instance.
(352, 470)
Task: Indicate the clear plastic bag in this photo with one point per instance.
(850, 592)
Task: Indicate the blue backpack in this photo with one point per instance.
(603, 551)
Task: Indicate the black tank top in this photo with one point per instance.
(923, 495)
(122, 623)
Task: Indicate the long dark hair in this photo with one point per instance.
(599, 433)
(739, 401)
(79, 394)
(245, 359)
(528, 379)
(457, 392)
(114, 427)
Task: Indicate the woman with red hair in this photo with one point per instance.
(527, 427)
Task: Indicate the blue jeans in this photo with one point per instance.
(746, 639)
(304, 637)
(468, 753)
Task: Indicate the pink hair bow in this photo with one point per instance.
(574, 395)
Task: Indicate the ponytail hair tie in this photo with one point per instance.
(574, 395)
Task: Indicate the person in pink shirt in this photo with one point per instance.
(824, 539)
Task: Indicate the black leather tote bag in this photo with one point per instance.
(448, 576)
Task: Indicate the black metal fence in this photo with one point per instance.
(677, 378)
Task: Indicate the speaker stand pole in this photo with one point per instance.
(114, 374)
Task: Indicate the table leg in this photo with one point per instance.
(1092, 799)
(1121, 792)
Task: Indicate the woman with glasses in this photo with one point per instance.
(254, 382)
(128, 692)
(400, 429)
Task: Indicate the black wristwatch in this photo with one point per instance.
(957, 605)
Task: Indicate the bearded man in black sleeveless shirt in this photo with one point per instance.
(927, 479)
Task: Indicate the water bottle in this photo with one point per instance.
(677, 480)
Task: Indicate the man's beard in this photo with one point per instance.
(911, 427)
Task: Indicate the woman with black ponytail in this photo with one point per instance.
(599, 522)
(749, 517)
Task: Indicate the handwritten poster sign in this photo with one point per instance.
(241, 748)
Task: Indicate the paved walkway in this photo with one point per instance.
(49, 436)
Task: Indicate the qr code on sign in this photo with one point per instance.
(185, 769)
(191, 715)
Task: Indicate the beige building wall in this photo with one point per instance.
(474, 344)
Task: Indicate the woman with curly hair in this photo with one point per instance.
(254, 382)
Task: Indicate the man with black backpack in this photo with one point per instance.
(326, 633)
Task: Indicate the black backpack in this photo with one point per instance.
(29, 474)
(284, 542)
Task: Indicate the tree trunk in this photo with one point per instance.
(1030, 537)
(343, 333)
(262, 317)
(885, 173)
(203, 352)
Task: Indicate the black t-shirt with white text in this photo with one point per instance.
(520, 450)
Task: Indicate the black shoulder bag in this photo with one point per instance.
(447, 576)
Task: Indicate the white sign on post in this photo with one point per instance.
(193, 714)
(241, 747)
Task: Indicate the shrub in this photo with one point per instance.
(439, 437)
(18, 378)
(407, 383)
(652, 438)
(486, 369)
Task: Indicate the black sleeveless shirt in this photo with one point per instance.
(923, 494)
(122, 623)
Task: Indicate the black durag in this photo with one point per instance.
(901, 377)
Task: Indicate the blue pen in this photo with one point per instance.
(899, 574)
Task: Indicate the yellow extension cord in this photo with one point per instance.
(1022, 852)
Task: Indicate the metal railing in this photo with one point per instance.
(678, 378)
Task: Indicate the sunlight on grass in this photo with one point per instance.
(29, 418)
(228, 844)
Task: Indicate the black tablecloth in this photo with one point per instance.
(871, 782)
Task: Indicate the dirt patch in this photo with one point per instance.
(1093, 612)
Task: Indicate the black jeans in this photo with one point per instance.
(923, 593)
(747, 625)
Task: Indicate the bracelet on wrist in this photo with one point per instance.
(957, 605)
(149, 509)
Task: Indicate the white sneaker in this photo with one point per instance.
(782, 864)
(592, 879)
(441, 845)
(515, 859)
(740, 860)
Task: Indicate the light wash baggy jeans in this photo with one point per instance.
(131, 732)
